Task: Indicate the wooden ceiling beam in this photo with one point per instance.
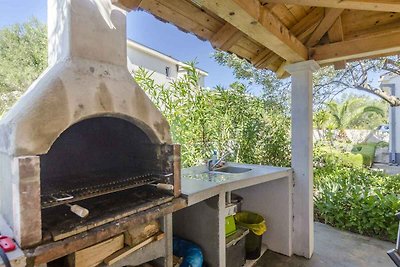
(262, 56)
(331, 15)
(226, 37)
(303, 29)
(371, 5)
(260, 24)
(308, 24)
(127, 5)
(356, 48)
(335, 34)
(283, 13)
(186, 16)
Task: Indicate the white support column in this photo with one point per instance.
(302, 149)
(393, 116)
(391, 83)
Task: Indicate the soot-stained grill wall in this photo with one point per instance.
(100, 151)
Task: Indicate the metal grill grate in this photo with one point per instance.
(76, 194)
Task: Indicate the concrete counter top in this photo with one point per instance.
(199, 184)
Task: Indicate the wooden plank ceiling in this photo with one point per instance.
(273, 33)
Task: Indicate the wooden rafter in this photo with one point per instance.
(184, 15)
(308, 24)
(283, 13)
(357, 48)
(298, 12)
(127, 5)
(226, 37)
(301, 30)
(335, 34)
(250, 17)
(274, 33)
(262, 57)
(331, 15)
(371, 5)
(356, 23)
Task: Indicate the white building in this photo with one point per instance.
(164, 68)
(391, 83)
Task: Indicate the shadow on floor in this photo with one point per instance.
(336, 248)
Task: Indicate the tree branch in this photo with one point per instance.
(392, 100)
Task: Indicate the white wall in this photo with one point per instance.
(355, 136)
(154, 61)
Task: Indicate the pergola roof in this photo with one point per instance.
(272, 33)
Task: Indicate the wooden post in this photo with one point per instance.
(302, 149)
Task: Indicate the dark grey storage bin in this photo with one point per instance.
(235, 248)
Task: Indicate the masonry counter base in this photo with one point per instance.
(266, 190)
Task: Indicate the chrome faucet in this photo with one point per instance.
(212, 166)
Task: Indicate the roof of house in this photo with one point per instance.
(273, 33)
(161, 55)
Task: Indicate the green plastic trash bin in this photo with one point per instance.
(256, 224)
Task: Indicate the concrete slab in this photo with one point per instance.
(336, 248)
(199, 184)
(386, 168)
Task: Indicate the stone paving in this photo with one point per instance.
(386, 168)
(335, 248)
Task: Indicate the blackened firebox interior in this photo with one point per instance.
(100, 155)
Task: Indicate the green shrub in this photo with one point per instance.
(256, 131)
(358, 200)
(382, 144)
(327, 155)
(253, 129)
(367, 151)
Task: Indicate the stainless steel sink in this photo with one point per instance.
(231, 169)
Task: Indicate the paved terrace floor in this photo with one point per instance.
(336, 248)
(386, 168)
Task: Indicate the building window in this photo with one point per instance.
(167, 73)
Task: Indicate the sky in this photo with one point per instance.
(141, 27)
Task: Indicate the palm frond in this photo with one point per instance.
(375, 109)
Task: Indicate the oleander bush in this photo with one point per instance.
(252, 129)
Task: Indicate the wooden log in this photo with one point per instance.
(119, 255)
(139, 233)
(54, 250)
(94, 255)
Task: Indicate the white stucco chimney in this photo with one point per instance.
(89, 29)
(87, 77)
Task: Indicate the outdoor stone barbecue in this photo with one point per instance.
(84, 133)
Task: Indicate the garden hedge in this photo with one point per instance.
(367, 151)
(356, 199)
